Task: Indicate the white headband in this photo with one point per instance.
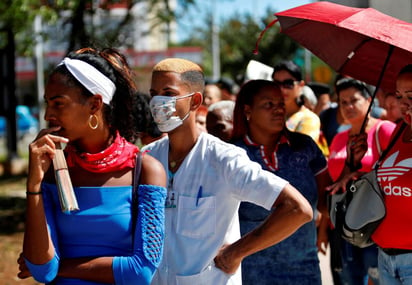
(91, 78)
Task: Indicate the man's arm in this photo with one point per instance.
(292, 210)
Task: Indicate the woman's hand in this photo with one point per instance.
(341, 184)
(356, 148)
(41, 154)
(23, 270)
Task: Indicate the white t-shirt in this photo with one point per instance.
(207, 190)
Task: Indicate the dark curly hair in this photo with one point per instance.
(110, 62)
(144, 122)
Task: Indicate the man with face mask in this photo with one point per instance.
(207, 179)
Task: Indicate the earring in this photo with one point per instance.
(93, 127)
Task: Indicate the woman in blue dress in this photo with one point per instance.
(89, 103)
(259, 128)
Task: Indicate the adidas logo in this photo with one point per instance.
(389, 172)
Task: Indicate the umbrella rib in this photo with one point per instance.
(391, 48)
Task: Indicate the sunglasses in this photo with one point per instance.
(287, 83)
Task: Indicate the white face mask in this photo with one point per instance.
(162, 108)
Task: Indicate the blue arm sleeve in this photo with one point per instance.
(45, 273)
(148, 242)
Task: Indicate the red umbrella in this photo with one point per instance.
(362, 43)
(353, 41)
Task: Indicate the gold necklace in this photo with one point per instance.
(174, 163)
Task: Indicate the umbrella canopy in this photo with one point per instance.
(356, 42)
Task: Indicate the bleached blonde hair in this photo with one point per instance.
(178, 65)
(190, 72)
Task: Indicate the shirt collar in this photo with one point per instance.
(284, 138)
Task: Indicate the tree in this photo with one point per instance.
(15, 18)
(19, 16)
(238, 37)
(274, 46)
(17, 36)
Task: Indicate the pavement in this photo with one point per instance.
(325, 268)
(17, 165)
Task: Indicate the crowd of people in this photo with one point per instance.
(196, 182)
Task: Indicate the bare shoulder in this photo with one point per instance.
(153, 172)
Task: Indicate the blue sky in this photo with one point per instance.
(228, 8)
(254, 7)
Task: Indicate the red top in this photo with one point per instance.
(337, 149)
(395, 176)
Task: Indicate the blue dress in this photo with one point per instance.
(293, 261)
(103, 227)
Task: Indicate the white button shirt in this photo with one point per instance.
(209, 185)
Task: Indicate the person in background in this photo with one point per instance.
(201, 114)
(332, 121)
(393, 235)
(354, 98)
(378, 109)
(393, 108)
(300, 119)
(89, 99)
(146, 129)
(323, 95)
(228, 88)
(260, 129)
(208, 179)
(219, 120)
(309, 99)
(212, 94)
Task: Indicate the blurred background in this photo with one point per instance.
(219, 35)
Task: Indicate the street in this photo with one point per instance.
(325, 268)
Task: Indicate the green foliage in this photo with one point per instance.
(275, 46)
(18, 16)
(238, 36)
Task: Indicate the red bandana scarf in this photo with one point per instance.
(119, 155)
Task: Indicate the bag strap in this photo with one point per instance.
(136, 179)
(390, 145)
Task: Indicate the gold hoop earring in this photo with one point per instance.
(93, 127)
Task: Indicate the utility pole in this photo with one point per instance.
(39, 68)
(215, 44)
(308, 65)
